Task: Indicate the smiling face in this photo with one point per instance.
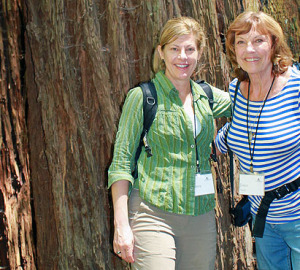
(253, 52)
(180, 56)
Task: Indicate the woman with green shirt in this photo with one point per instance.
(168, 221)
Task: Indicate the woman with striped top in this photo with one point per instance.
(265, 134)
(171, 220)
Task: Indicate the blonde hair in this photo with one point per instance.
(172, 30)
(281, 54)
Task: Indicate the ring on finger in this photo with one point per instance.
(119, 252)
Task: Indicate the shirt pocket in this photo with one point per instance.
(168, 127)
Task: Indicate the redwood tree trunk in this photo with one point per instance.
(17, 247)
(59, 110)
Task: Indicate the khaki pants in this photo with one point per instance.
(169, 241)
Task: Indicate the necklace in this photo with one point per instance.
(251, 130)
(251, 133)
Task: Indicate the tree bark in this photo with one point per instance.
(59, 110)
(17, 247)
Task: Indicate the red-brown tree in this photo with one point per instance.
(65, 68)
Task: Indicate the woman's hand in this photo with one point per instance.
(124, 243)
(123, 237)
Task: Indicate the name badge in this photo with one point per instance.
(252, 184)
(204, 184)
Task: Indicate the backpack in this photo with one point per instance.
(296, 65)
(149, 110)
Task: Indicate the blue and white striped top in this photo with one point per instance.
(277, 146)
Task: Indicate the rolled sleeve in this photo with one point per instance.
(222, 103)
(127, 138)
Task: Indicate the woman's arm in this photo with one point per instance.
(222, 103)
(220, 140)
(119, 173)
(123, 237)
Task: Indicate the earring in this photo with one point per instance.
(276, 66)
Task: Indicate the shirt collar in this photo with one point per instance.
(198, 91)
(167, 86)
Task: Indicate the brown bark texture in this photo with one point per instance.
(65, 69)
(17, 248)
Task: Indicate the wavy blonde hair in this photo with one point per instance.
(172, 30)
(281, 56)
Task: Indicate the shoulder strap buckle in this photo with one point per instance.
(150, 101)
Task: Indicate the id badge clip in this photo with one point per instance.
(252, 184)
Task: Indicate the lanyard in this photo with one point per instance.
(195, 133)
(250, 137)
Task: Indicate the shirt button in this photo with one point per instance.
(192, 146)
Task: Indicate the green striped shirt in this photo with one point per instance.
(167, 179)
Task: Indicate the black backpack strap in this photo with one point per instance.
(149, 111)
(149, 104)
(207, 89)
